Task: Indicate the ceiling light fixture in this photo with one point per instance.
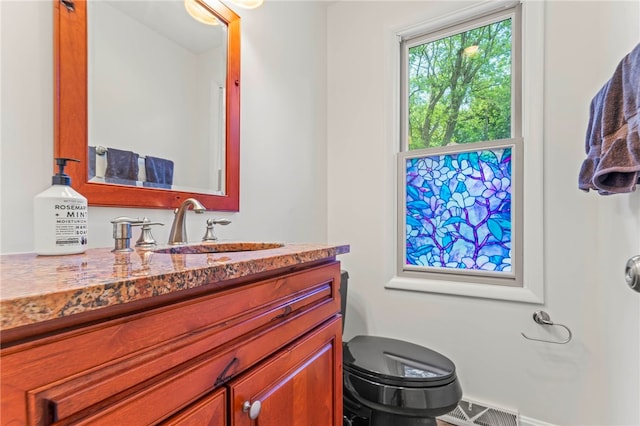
(200, 13)
(247, 4)
(471, 51)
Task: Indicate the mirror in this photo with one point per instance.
(149, 98)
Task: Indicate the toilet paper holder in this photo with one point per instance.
(543, 318)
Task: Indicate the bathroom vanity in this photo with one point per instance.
(172, 338)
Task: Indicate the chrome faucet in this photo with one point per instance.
(178, 233)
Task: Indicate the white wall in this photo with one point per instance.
(595, 379)
(283, 183)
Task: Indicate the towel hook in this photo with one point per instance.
(543, 318)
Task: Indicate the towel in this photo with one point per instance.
(92, 162)
(613, 135)
(159, 172)
(122, 167)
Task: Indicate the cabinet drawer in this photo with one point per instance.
(203, 343)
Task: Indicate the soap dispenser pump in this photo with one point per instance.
(61, 216)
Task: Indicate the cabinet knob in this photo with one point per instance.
(252, 409)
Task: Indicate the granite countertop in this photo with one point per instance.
(39, 288)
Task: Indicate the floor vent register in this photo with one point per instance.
(472, 413)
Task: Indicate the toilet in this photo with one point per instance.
(389, 382)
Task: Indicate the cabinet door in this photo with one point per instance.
(209, 411)
(299, 386)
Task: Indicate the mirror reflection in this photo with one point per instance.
(156, 96)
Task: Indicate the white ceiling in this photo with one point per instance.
(170, 18)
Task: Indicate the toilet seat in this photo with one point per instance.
(396, 362)
(392, 381)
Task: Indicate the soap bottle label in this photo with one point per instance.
(71, 222)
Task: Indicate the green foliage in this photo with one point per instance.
(461, 95)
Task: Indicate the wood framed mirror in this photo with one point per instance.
(72, 119)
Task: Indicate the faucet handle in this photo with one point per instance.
(146, 239)
(209, 235)
(127, 219)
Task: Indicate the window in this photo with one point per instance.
(460, 167)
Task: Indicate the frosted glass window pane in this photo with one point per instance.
(458, 211)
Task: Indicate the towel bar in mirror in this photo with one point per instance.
(85, 76)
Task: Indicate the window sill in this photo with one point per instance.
(484, 291)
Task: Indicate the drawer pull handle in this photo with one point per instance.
(223, 376)
(253, 409)
(287, 311)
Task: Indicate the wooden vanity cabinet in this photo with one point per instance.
(210, 359)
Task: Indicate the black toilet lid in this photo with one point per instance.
(397, 362)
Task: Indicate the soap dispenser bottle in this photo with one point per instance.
(61, 216)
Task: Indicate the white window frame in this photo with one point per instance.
(530, 288)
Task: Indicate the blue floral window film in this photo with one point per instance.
(458, 211)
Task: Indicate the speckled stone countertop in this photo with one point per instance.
(39, 288)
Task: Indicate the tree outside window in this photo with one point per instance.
(460, 88)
